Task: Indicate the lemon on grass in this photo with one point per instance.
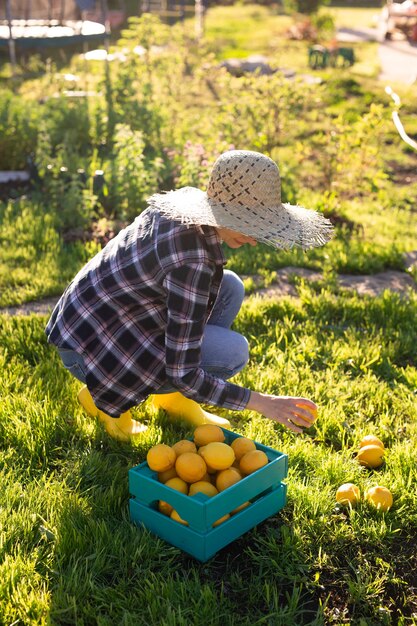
(371, 456)
(241, 445)
(228, 477)
(203, 486)
(371, 440)
(252, 461)
(185, 445)
(206, 433)
(190, 467)
(174, 515)
(218, 456)
(348, 493)
(161, 457)
(174, 483)
(379, 497)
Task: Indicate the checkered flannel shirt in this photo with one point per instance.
(137, 311)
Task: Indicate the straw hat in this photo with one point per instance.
(244, 195)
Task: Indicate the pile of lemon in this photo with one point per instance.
(371, 454)
(205, 465)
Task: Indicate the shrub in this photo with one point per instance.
(63, 187)
(19, 119)
(67, 122)
(132, 176)
(349, 153)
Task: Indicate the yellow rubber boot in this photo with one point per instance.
(177, 405)
(122, 428)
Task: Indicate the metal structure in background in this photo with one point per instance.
(172, 11)
(12, 48)
(38, 24)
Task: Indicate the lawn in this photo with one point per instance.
(69, 552)
(71, 555)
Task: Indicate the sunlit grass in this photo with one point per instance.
(71, 555)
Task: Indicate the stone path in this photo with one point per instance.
(398, 61)
(369, 285)
(41, 307)
(373, 285)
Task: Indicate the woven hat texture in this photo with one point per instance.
(244, 195)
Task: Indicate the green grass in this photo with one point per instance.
(255, 27)
(34, 262)
(353, 17)
(71, 556)
(242, 31)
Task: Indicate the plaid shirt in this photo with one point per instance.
(137, 311)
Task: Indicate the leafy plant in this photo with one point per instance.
(133, 176)
(349, 153)
(19, 120)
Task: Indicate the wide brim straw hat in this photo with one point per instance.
(244, 195)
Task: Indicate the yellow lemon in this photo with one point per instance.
(228, 477)
(348, 493)
(218, 456)
(161, 457)
(202, 486)
(206, 433)
(379, 497)
(174, 483)
(252, 461)
(190, 467)
(184, 446)
(178, 484)
(313, 412)
(164, 476)
(371, 456)
(174, 515)
(371, 440)
(240, 507)
(165, 508)
(221, 520)
(241, 445)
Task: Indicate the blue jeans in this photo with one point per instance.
(223, 351)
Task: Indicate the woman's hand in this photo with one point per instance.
(294, 413)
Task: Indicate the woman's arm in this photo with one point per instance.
(286, 410)
(188, 291)
(187, 298)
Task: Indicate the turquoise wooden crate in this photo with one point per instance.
(203, 546)
(264, 489)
